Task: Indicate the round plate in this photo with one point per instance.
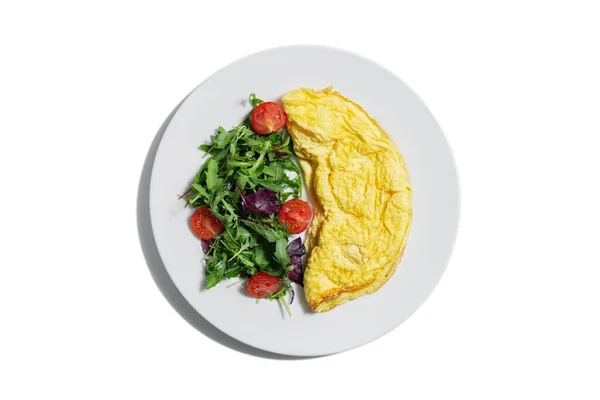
(222, 100)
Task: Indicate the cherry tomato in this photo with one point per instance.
(268, 117)
(296, 215)
(261, 285)
(205, 224)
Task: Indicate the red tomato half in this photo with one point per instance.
(205, 224)
(261, 285)
(268, 117)
(296, 215)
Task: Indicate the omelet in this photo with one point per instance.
(360, 192)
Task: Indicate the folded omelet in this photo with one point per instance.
(360, 193)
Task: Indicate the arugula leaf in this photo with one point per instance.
(278, 140)
(260, 256)
(261, 158)
(243, 247)
(212, 280)
(241, 180)
(234, 269)
(229, 208)
(229, 243)
(200, 190)
(219, 155)
(212, 179)
(195, 199)
(249, 264)
(275, 171)
(281, 253)
(254, 101)
(242, 233)
(233, 163)
(271, 235)
(218, 196)
(288, 164)
(222, 138)
(255, 142)
(268, 183)
(215, 271)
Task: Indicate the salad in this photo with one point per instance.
(248, 206)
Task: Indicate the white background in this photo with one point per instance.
(84, 88)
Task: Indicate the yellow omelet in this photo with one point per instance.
(360, 193)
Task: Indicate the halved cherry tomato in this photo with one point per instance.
(205, 224)
(296, 215)
(268, 117)
(261, 285)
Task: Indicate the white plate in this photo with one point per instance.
(222, 100)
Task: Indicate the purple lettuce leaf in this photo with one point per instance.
(206, 245)
(296, 275)
(296, 250)
(264, 201)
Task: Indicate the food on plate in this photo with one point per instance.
(360, 192)
(248, 206)
(261, 285)
(267, 117)
(244, 215)
(295, 214)
(205, 225)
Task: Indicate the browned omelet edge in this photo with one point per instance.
(337, 296)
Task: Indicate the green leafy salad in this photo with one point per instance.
(247, 200)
